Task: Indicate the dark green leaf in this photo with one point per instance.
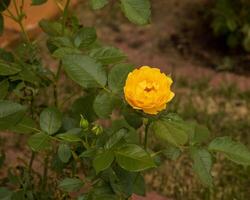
(8, 69)
(70, 184)
(84, 106)
(25, 126)
(39, 142)
(115, 138)
(61, 52)
(199, 134)
(133, 118)
(5, 194)
(10, 113)
(117, 77)
(51, 28)
(85, 71)
(202, 165)
(104, 104)
(107, 55)
(171, 132)
(133, 158)
(137, 11)
(50, 120)
(235, 151)
(103, 160)
(64, 153)
(85, 37)
(71, 135)
(4, 86)
(98, 4)
(172, 152)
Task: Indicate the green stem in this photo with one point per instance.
(45, 173)
(31, 161)
(65, 15)
(146, 135)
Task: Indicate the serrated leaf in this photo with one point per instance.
(70, 184)
(85, 37)
(71, 135)
(133, 158)
(234, 151)
(137, 11)
(10, 113)
(107, 55)
(103, 160)
(170, 131)
(115, 138)
(117, 77)
(85, 71)
(51, 28)
(39, 142)
(104, 104)
(50, 120)
(8, 69)
(202, 165)
(64, 153)
(26, 126)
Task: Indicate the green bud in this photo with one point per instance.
(84, 124)
(97, 129)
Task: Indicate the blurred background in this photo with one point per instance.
(205, 46)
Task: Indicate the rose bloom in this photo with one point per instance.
(148, 89)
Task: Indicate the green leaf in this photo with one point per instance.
(172, 152)
(61, 52)
(10, 114)
(115, 138)
(25, 126)
(64, 153)
(132, 157)
(234, 151)
(38, 2)
(70, 184)
(4, 4)
(70, 136)
(51, 28)
(199, 134)
(85, 37)
(50, 120)
(98, 4)
(133, 118)
(202, 165)
(5, 194)
(4, 87)
(84, 106)
(85, 71)
(170, 131)
(8, 69)
(103, 160)
(107, 55)
(39, 142)
(1, 24)
(104, 104)
(117, 77)
(137, 11)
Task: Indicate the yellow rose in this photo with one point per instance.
(148, 89)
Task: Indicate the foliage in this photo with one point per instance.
(77, 149)
(231, 19)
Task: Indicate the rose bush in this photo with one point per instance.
(82, 157)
